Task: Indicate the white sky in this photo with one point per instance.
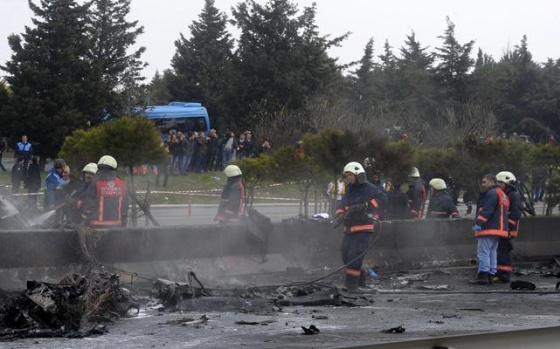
(495, 25)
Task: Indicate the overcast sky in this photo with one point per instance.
(494, 25)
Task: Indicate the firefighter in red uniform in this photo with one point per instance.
(491, 225)
(416, 194)
(106, 200)
(506, 181)
(231, 205)
(359, 211)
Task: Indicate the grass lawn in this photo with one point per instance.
(208, 187)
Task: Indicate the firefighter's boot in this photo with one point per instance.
(481, 279)
(351, 283)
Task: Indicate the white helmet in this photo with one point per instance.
(506, 177)
(232, 171)
(91, 168)
(354, 167)
(108, 160)
(438, 184)
(414, 172)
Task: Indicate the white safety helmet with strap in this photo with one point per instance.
(232, 171)
(91, 168)
(109, 161)
(506, 177)
(357, 169)
(438, 184)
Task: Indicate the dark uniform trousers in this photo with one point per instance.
(354, 245)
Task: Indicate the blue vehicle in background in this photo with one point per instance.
(178, 116)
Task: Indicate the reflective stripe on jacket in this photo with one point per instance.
(370, 201)
(514, 212)
(441, 206)
(492, 213)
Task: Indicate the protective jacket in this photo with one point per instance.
(23, 151)
(441, 206)
(231, 205)
(106, 200)
(492, 213)
(54, 195)
(416, 197)
(362, 205)
(514, 212)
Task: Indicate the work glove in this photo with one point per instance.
(476, 228)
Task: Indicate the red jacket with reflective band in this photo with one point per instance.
(112, 206)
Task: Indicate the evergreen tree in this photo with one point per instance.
(202, 65)
(454, 64)
(113, 37)
(363, 83)
(414, 55)
(282, 61)
(47, 74)
(482, 59)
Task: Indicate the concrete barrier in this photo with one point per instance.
(170, 252)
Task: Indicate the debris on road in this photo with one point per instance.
(310, 330)
(189, 322)
(398, 329)
(522, 285)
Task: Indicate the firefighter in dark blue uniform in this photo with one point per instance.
(360, 208)
(506, 180)
(441, 204)
(416, 194)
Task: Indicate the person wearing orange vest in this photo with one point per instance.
(491, 224)
(231, 204)
(106, 200)
(506, 181)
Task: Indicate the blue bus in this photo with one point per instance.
(178, 116)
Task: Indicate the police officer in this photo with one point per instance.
(106, 199)
(360, 208)
(506, 181)
(491, 224)
(441, 204)
(54, 184)
(231, 204)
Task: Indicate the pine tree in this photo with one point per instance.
(363, 82)
(202, 65)
(454, 64)
(282, 60)
(414, 56)
(117, 69)
(47, 74)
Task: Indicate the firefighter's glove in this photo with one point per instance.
(476, 228)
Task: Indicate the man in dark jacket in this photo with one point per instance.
(397, 203)
(506, 181)
(18, 175)
(360, 209)
(33, 183)
(491, 224)
(441, 204)
(231, 204)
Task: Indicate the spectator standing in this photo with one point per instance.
(33, 183)
(3, 148)
(240, 150)
(201, 152)
(188, 145)
(249, 145)
(18, 175)
(230, 145)
(265, 147)
(212, 141)
(163, 166)
(24, 150)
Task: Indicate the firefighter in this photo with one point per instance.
(416, 194)
(359, 211)
(231, 204)
(491, 224)
(441, 204)
(105, 201)
(506, 181)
